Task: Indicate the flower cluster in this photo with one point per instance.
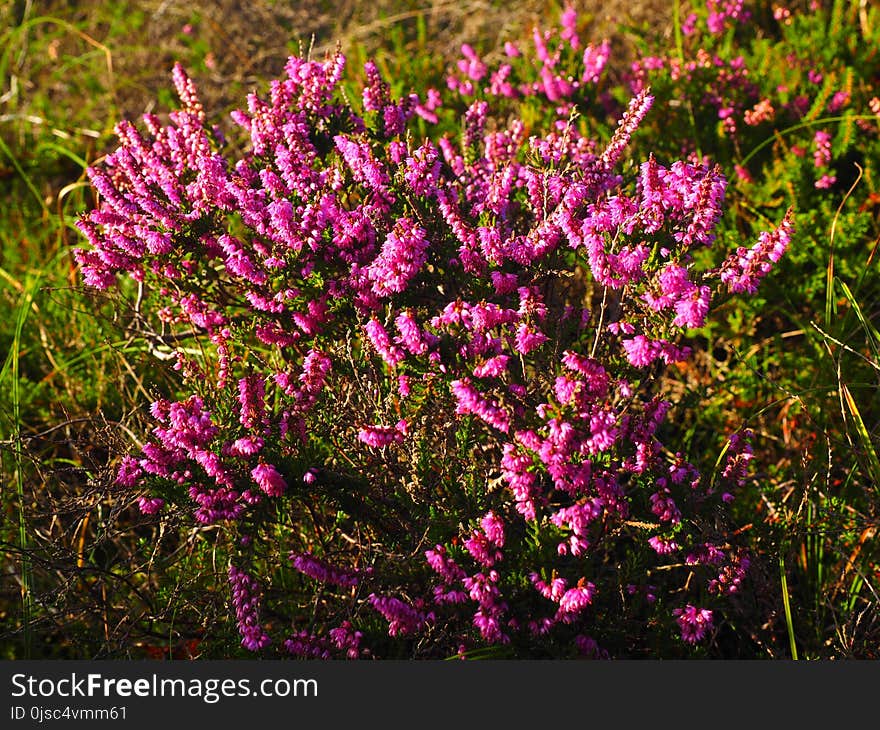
(343, 276)
(545, 73)
(246, 601)
(694, 622)
(322, 571)
(743, 271)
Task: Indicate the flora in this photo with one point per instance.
(426, 408)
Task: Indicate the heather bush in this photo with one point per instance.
(358, 427)
(422, 407)
(784, 99)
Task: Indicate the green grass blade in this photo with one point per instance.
(871, 332)
(61, 150)
(829, 289)
(789, 625)
(11, 366)
(22, 174)
(803, 125)
(864, 437)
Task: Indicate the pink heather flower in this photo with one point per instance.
(566, 389)
(743, 174)
(484, 545)
(577, 518)
(743, 270)
(403, 386)
(664, 507)
(320, 570)
(471, 65)
(489, 626)
(376, 93)
(444, 565)
(568, 22)
(381, 436)
(305, 645)
(721, 10)
(481, 549)
(269, 480)
(540, 41)
(411, 335)
(150, 506)
(471, 401)
(705, 554)
(379, 338)
(494, 528)
(838, 101)
(822, 151)
(462, 87)
(504, 283)
(499, 84)
(246, 446)
(782, 14)
(575, 600)
(640, 351)
(603, 431)
(725, 114)
(482, 588)
(321, 234)
(662, 545)
(360, 161)
(825, 182)
(189, 425)
(621, 328)
(400, 259)
(554, 590)
(520, 479)
(251, 395)
(674, 285)
(739, 454)
(315, 368)
(528, 339)
(694, 622)
(402, 618)
(129, 472)
(635, 113)
(344, 637)
(692, 311)
(422, 169)
(731, 576)
(186, 91)
(689, 24)
(492, 368)
(246, 601)
(474, 124)
(594, 60)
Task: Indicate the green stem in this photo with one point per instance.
(802, 125)
(679, 47)
(26, 598)
(788, 622)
